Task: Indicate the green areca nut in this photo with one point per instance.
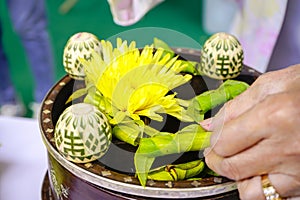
(82, 133)
(80, 45)
(222, 57)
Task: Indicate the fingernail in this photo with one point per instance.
(206, 124)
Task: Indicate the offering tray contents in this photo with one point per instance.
(123, 124)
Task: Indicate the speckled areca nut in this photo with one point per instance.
(222, 56)
(82, 133)
(79, 45)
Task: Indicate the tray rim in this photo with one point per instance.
(138, 190)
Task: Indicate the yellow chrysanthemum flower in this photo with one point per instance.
(136, 82)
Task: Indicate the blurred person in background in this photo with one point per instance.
(29, 21)
(269, 31)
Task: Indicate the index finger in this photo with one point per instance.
(258, 91)
(238, 134)
(233, 109)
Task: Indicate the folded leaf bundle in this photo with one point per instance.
(190, 138)
(177, 172)
(208, 100)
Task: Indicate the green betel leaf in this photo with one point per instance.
(161, 44)
(177, 172)
(190, 67)
(142, 166)
(191, 138)
(234, 88)
(129, 132)
(208, 100)
(77, 94)
(161, 175)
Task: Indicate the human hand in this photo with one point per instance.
(257, 133)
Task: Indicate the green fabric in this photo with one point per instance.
(94, 16)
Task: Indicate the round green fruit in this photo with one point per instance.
(82, 133)
(221, 57)
(80, 45)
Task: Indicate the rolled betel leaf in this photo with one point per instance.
(221, 57)
(208, 100)
(177, 172)
(82, 133)
(191, 138)
(80, 45)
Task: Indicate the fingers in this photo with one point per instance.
(275, 151)
(243, 102)
(275, 116)
(260, 140)
(206, 124)
(248, 163)
(258, 136)
(234, 108)
(238, 134)
(294, 198)
(285, 185)
(252, 188)
(229, 111)
(253, 143)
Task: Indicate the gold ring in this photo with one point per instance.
(268, 189)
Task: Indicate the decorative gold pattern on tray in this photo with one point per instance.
(128, 179)
(49, 130)
(217, 180)
(106, 173)
(195, 183)
(47, 120)
(61, 191)
(169, 184)
(88, 165)
(48, 102)
(62, 84)
(46, 112)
